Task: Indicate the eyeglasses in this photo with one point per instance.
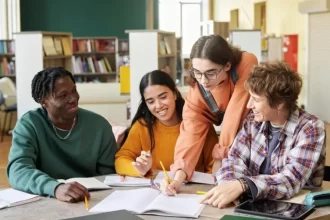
(210, 75)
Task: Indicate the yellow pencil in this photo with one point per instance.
(86, 203)
(200, 192)
(167, 177)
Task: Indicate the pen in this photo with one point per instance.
(200, 192)
(167, 177)
(86, 203)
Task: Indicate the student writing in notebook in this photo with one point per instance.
(279, 149)
(59, 140)
(155, 129)
(216, 96)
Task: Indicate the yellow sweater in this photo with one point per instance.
(165, 139)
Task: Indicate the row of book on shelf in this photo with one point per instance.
(94, 45)
(164, 46)
(7, 46)
(91, 64)
(56, 46)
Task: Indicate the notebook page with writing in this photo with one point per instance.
(116, 180)
(15, 197)
(182, 205)
(198, 177)
(135, 200)
(90, 183)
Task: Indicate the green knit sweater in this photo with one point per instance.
(38, 156)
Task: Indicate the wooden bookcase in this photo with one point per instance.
(186, 68)
(150, 50)
(215, 27)
(95, 59)
(36, 51)
(7, 59)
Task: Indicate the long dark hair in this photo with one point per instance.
(216, 49)
(156, 77)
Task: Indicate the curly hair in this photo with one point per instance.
(277, 81)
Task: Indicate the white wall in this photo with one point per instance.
(143, 51)
(29, 61)
(222, 10)
(282, 18)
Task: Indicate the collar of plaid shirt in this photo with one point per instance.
(288, 128)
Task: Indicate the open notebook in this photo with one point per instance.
(90, 183)
(117, 180)
(151, 201)
(12, 197)
(198, 177)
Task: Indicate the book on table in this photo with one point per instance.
(117, 180)
(91, 183)
(151, 201)
(12, 197)
(198, 177)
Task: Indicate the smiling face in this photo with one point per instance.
(161, 103)
(63, 102)
(261, 109)
(215, 73)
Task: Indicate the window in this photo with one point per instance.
(182, 17)
(9, 18)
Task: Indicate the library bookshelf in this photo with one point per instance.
(7, 59)
(150, 50)
(35, 51)
(95, 59)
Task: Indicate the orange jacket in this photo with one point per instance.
(197, 118)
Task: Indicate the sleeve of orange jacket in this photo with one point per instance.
(129, 152)
(211, 140)
(236, 110)
(193, 131)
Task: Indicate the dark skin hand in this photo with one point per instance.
(71, 192)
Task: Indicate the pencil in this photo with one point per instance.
(86, 203)
(200, 192)
(167, 177)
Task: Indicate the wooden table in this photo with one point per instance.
(50, 208)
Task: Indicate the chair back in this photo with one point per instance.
(8, 89)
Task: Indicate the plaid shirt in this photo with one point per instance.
(298, 160)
